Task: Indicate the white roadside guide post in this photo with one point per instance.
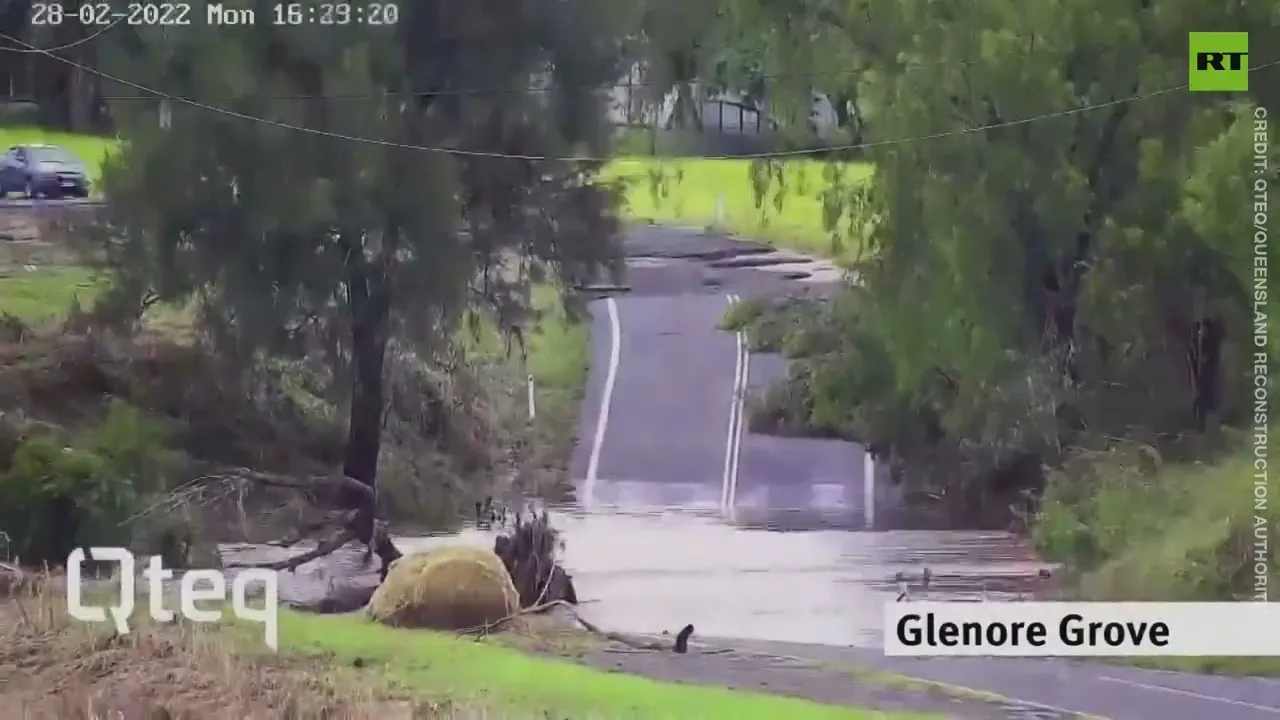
(533, 409)
(868, 488)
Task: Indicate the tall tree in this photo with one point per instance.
(364, 179)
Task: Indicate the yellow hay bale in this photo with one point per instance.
(451, 588)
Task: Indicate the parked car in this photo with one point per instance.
(43, 171)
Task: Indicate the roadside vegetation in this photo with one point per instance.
(271, 335)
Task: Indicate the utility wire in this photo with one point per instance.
(479, 153)
(66, 46)
(535, 89)
(505, 90)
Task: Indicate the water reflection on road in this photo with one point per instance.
(646, 570)
(807, 575)
(783, 575)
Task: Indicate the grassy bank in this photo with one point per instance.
(345, 666)
(559, 360)
(558, 355)
(37, 294)
(88, 148)
(691, 187)
(1133, 528)
(1138, 529)
(505, 681)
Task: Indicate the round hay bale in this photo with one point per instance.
(451, 588)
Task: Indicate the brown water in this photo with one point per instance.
(646, 570)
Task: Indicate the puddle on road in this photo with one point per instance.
(646, 570)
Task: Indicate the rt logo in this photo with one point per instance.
(1219, 62)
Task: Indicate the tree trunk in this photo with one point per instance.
(685, 113)
(370, 312)
(1204, 354)
(80, 101)
(1104, 187)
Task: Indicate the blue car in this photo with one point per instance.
(43, 171)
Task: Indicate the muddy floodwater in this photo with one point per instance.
(646, 570)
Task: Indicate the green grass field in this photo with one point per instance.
(88, 148)
(693, 185)
(559, 355)
(44, 293)
(470, 675)
(557, 347)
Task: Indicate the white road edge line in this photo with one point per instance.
(606, 401)
(1199, 696)
(868, 488)
(727, 477)
(740, 398)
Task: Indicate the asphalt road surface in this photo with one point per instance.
(663, 424)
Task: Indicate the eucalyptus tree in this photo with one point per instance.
(365, 183)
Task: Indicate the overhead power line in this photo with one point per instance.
(480, 153)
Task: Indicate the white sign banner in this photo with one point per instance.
(1081, 629)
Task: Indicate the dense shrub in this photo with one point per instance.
(56, 494)
(1137, 528)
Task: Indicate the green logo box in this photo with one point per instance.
(1219, 62)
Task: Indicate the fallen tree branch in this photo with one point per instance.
(325, 548)
(483, 630)
(307, 528)
(314, 482)
(232, 481)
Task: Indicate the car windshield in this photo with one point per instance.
(53, 154)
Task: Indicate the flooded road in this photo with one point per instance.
(683, 516)
(655, 572)
(644, 571)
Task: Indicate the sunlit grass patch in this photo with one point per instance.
(45, 293)
(89, 148)
(347, 666)
(695, 191)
